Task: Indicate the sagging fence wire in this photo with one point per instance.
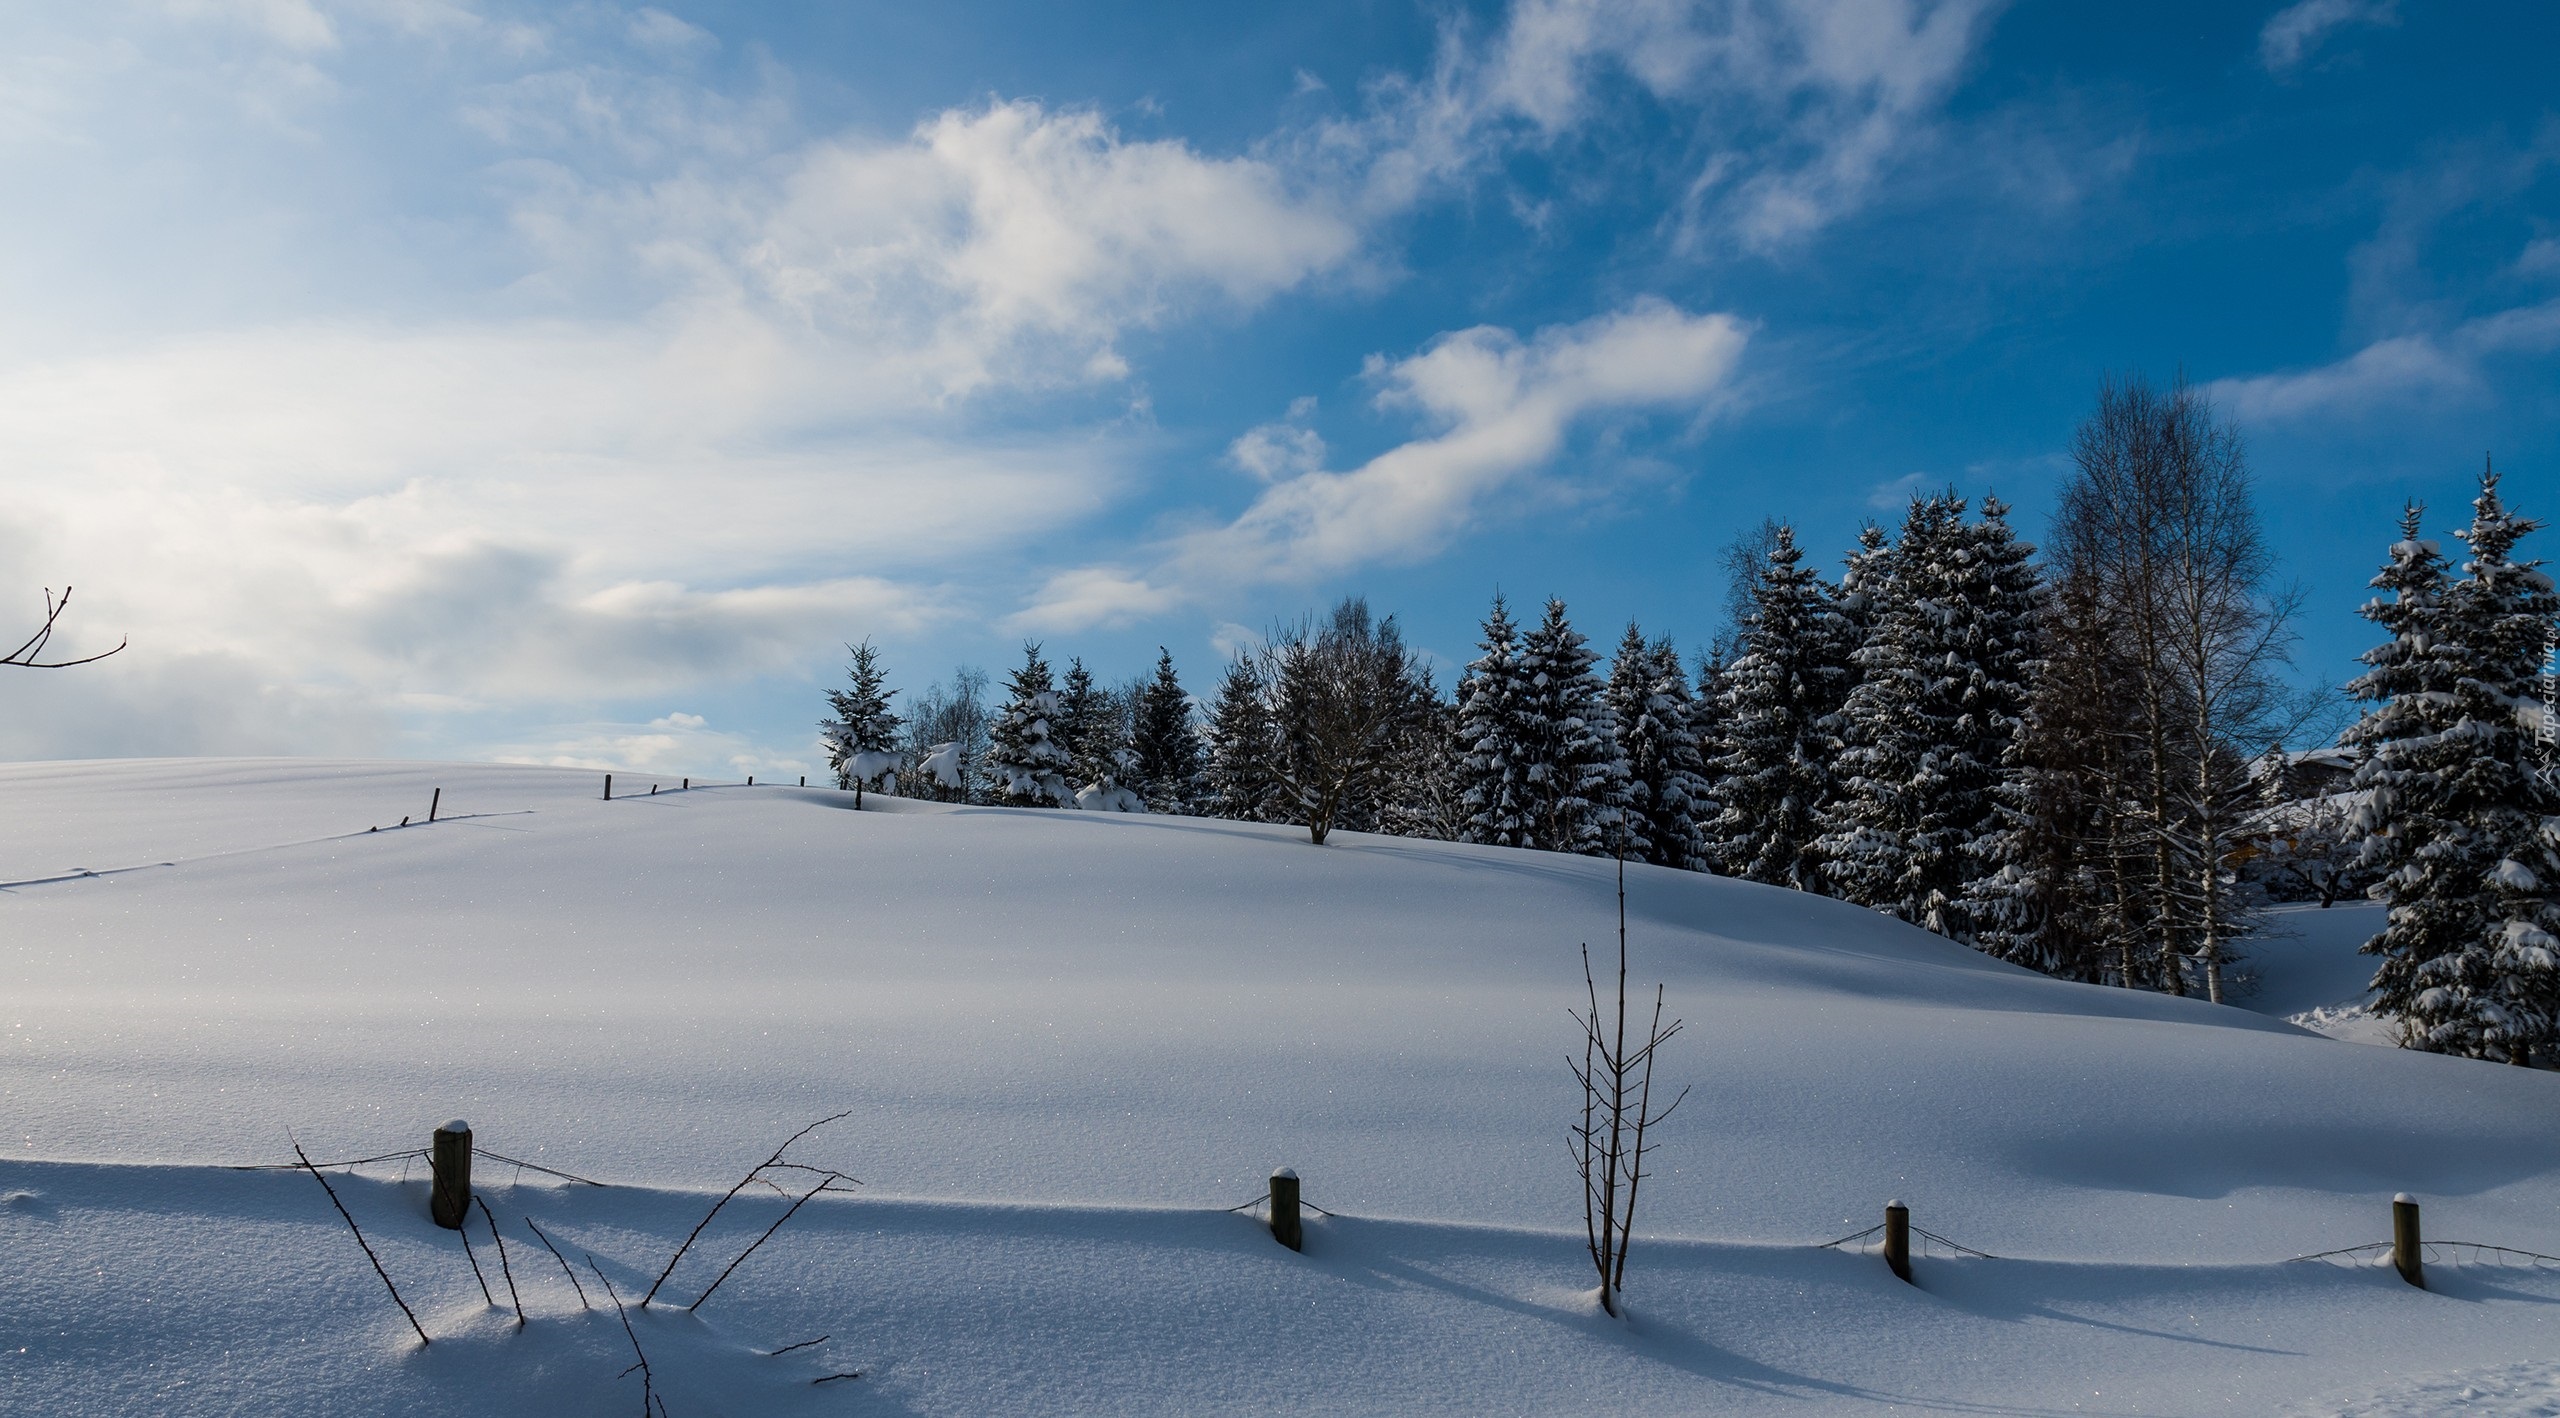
(1266, 1196)
(1876, 1232)
(2453, 1253)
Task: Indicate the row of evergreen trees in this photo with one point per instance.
(2050, 761)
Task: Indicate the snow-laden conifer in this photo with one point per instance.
(1656, 723)
(1492, 768)
(1026, 765)
(861, 739)
(1576, 784)
(2459, 813)
(1166, 744)
(1241, 780)
(1780, 710)
(1092, 726)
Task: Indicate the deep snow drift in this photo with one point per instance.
(1068, 1041)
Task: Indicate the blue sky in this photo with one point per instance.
(567, 383)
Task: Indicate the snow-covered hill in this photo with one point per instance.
(1067, 1041)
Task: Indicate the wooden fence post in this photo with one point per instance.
(1285, 1227)
(751, 780)
(2405, 1241)
(608, 787)
(450, 1159)
(804, 780)
(434, 803)
(688, 785)
(1897, 1241)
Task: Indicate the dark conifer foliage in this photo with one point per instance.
(1782, 698)
(1167, 746)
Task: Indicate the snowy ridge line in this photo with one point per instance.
(92, 874)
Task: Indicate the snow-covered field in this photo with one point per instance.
(1068, 1041)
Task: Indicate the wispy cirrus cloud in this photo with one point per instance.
(2291, 35)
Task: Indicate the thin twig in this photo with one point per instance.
(831, 1378)
(503, 1268)
(731, 1195)
(465, 1234)
(564, 1263)
(803, 1344)
(648, 1381)
(361, 1241)
(823, 1184)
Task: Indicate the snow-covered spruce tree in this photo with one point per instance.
(1927, 727)
(1492, 772)
(862, 738)
(2457, 811)
(1781, 707)
(1239, 781)
(1026, 765)
(1656, 725)
(1167, 746)
(1093, 726)
(1576, 784)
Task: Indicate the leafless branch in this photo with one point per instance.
(731, 1195)
(564, 1263)
(503, 1268)
(361, 1241)
(30, 655)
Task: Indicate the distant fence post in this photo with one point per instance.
(1897, 1240)
(450, 1158)
(751, 780)
(688, 786)
(434, 803)
(608, 787)
(1285, 1227)
(2405, 1241)
(804, 780)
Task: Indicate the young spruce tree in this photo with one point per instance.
(1577, 786)
(1026, 765)
(1168, 750)
(1782, 698)
(1241, 781)
(1492, 771)
(862, 738)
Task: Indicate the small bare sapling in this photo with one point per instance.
(1610, 1143)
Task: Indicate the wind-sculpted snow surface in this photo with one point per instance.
(1069, 1040)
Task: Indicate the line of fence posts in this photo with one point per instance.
(449, 1203)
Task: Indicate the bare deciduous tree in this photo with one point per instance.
(1609, 1145)
(1343, 693)
(2168, 639)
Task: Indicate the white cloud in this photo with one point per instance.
(1277, 450)
(1500, 408)
(672, 747)
(1893, 494)
(1090, 596)
(2292, 33)
(1804, 104)
(2394, 370)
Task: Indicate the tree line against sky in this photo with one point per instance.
(2066, 760)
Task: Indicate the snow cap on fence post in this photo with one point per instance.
(1285, 1227)
(2405, 1241)
(1897, 1240)
(450, 1158)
